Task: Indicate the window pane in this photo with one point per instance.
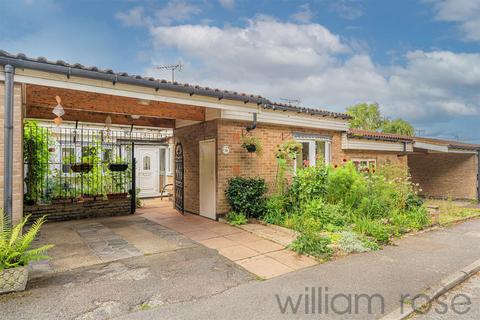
(146, 163)
(320, 154)
(163, 160)
(302, 158)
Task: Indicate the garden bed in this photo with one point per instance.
(334, 210)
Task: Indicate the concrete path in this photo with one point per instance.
(417, 262)
(263, 254)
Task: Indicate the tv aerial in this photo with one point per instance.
(171, 67)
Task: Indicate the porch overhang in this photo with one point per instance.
(425, 147)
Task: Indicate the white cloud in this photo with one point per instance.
(133, 18)
(172, 11)
(286, 60)
(304, 14)
(229, 4)
(464, 12)
(347, 9)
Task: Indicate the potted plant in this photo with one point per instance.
(81, 167)
(252, 144)
(117, 167)
(16, 253)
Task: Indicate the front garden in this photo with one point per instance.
(336, 210)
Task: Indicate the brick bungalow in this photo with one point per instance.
(207, 128)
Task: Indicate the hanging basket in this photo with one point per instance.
(251, 148)
(117, 167)
(81, 167)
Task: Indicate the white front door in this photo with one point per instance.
(147, 170)
(207, 179)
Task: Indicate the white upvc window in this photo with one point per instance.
(362, 164)
(316, 149)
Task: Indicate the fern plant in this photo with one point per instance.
(15, 247)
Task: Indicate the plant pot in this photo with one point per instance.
(81, 167)
(115, 196)
(14, 279)
(117, 167)
(251, 148)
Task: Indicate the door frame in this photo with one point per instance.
(214, 177)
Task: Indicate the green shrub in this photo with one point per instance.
(274, 210)
(309, 183)
(15, 247)
(372, 228)
(313, 244)
(414, 219)
(236, 219)
(247, 196)
(325, 213)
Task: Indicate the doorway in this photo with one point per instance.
(207, 179)
(147, 173)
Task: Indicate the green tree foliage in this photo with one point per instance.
(368, 117)
(365, 116)
(398, 126)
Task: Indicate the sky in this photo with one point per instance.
(419, 60)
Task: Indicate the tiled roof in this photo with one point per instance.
(22, 61)
(378, 135)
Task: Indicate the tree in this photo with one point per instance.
(368, 117)
(365, 116)
(398, 126)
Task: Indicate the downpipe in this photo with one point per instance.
(8, 143)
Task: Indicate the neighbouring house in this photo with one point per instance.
(206, 128)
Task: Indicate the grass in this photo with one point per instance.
(453, 211)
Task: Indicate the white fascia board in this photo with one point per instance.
(464, 151)
(373, 145)
(430, 146)
(288, 118)
(129, 91)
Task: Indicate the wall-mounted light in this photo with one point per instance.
(143, 102)
(135, 116)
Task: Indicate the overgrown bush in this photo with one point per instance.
(308, 184)
(358, 209)
(275, 210)
(313, 244)
(247, 196)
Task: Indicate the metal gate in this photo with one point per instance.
(179, 178)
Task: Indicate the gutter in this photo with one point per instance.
(8, 143)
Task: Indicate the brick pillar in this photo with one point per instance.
(17, 150)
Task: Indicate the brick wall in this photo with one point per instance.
(17, 151)
(241, 163)
(381, 157)
(445, 175)
(88, 209)
(190, 137)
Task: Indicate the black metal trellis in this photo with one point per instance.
(66, 164)
(179, 178)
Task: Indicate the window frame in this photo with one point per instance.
(371, 162)
(312, 149)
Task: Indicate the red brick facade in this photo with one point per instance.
(239, 162)
(445, 174)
